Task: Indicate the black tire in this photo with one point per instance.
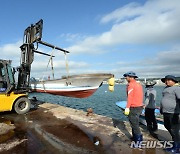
(22, 105)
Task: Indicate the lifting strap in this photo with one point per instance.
(67, 65)
(52, 68)
(51, 60)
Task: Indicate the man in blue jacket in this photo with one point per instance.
(170, 108)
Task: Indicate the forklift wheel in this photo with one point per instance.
(22, 105)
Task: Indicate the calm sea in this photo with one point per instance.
(102, 101)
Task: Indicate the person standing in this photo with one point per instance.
(150, 105)
(134, 104)
(170, 108)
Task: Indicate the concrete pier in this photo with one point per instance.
(53, 129)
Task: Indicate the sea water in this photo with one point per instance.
(102, 101)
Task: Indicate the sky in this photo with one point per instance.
(103, 36)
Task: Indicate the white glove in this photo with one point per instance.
(126, 111)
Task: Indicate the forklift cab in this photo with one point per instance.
(9, 98)
(7, 82)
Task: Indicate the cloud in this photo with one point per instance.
(39, 65)
(11, 50)
(72, 37)
(124, 13)
(152, 23)
(158, 65)
(42, 65)
(40, 69)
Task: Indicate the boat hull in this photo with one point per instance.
(77, 94)
(79, 86)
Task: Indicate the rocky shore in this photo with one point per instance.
(50, 128)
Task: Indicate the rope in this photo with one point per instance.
(51, 60)
(52, 68)
(67, 65)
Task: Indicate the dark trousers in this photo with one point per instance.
(150, 119)
(172, 124)
(134, 114)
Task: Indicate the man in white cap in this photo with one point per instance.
(170, 108)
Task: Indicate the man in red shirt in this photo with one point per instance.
(134, 104)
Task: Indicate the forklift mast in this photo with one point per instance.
(32, 35)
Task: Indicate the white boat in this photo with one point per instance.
(80, 86)
(122, 105)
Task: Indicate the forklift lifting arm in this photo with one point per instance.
(32, 34)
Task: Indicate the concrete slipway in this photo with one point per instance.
(54, 129)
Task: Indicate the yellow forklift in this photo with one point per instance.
(14, 95)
